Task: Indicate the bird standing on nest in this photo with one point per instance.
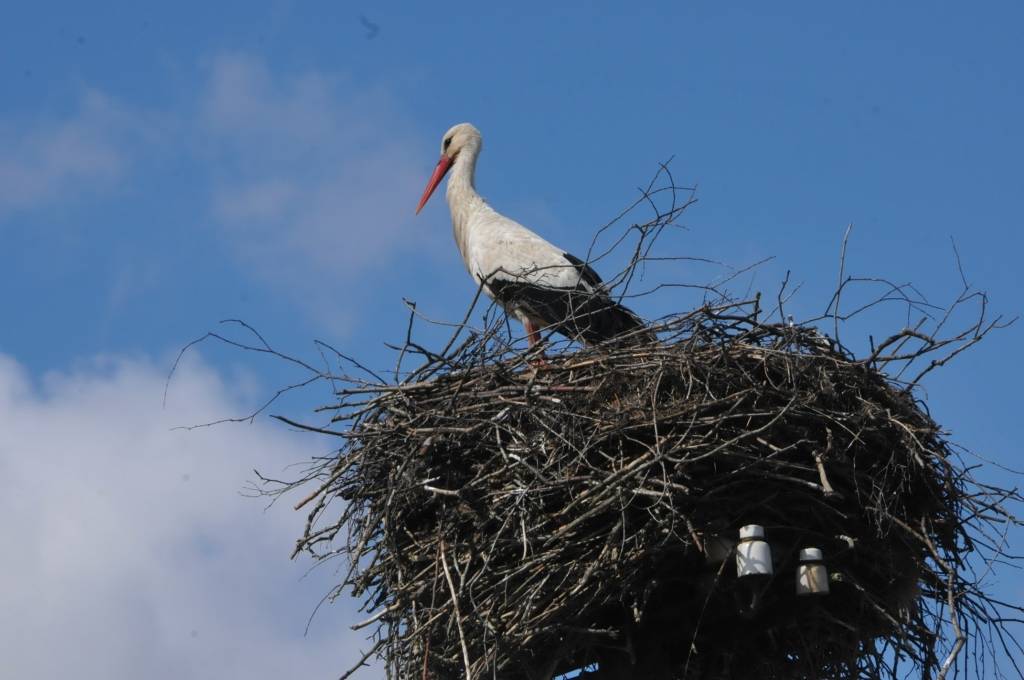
(538, 283)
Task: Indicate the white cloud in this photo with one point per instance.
(52, 159)
(128, 549)
(317, 178)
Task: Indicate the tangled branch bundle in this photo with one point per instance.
(510, 522)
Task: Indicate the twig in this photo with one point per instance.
(458, 615)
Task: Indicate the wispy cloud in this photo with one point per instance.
(316, 177)
(57, 159)
(129, 552)
(309, 179)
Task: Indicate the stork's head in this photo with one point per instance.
(460, 139)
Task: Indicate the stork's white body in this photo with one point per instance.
(496, 248)
(534, 280)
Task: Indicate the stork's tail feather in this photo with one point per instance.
(600, 319)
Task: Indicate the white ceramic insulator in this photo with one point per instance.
(753, 556)
(811, 575)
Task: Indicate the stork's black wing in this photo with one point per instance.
(587, 272)
(581, 312)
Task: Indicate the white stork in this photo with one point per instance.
(538, 283)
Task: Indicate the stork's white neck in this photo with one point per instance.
(463, 200)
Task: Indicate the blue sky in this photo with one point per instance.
(165, 168)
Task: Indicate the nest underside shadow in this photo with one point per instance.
(520, 518)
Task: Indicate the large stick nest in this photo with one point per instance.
(568, 509)
(504, 518)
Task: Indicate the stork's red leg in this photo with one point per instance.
(532, 333)
(533, 339)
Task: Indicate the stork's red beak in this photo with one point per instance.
(442, 168)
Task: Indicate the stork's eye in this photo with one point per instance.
(447, 142)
